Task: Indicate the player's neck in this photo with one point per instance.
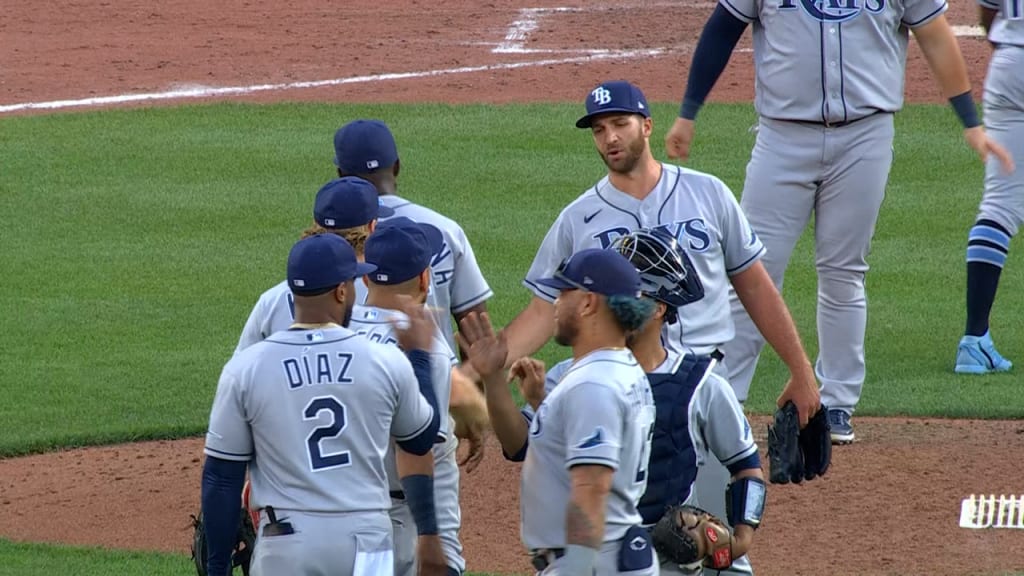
(648, 350)
(641, 180)
(316, 318)
(600, 339)
(384, 299)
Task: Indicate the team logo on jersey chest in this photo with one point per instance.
(693, 233)
(834, 10)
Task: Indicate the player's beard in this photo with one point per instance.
(566, 330)
(347, 317)
(630, 156)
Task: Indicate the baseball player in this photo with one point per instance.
(698, 209)
(830, 76)
(348, 207)
(586, 450)
(366, 148)
(698, 415)
(402, 251)
(311, 409)
(1002, 206)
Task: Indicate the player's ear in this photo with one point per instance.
(339, 292)
(425, 280)
(660, 309)
(648, 127)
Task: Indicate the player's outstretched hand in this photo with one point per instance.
(416, 330)
(802, 390)
(979, 140)
(678, 139)
(530, 373)
(469, 409)
(484, 349)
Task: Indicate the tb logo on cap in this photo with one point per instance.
(601, 96)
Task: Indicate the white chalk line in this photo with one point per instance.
(207, 91)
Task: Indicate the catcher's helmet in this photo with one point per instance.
(666, 272)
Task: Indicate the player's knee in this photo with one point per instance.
(840, 287)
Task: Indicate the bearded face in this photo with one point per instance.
(567, 320)
(620, 141)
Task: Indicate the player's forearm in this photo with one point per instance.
(221, 504)
(767, 309)
(506, 419)
(720, 36)
(416, 474)
(743, 534)
(585, 516)
(530, 330)
(942, 51)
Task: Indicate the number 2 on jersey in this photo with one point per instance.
(317, 459)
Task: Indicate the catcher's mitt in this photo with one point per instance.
(242, 553)
(692, 538)
(795, 455)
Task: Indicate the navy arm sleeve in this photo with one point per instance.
(720, 36)
(422, 444)
(221, 505)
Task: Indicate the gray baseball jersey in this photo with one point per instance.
(275, 311)
(718, 427)
(1008, 25)
(458, 284)
(697, 208)
(376, 324)
(601, 412)
(312, 410)
(830, 60)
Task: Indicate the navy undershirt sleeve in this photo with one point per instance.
(221, 505)
(720, 36)
(422, 443)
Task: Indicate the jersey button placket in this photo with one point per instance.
(832, 73)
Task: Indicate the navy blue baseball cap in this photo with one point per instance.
(321, 262)
(363, 146)
(614, 96)
(401, 249)
(595, 270)
(348, 202)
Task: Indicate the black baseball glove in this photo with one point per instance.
(242, 553)
(795, 455)
(692, 538)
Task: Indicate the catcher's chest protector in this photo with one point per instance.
(673, 465)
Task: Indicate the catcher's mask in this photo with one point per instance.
(666, 272)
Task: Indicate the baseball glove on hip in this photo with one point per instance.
(693, 538)
(242, 553)
(795, 455)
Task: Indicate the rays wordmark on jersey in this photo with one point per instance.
(692, 233)
(834, 10)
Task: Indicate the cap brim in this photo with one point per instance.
(385, 211)
(364, 268)
(586, 121)
(555, 283)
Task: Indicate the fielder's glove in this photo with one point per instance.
(692, 538)
(242, 553)
(795, 455)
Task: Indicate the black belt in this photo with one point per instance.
(542, 558)
(831, 124)
(397, 495)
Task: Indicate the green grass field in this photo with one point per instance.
(135, 243)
